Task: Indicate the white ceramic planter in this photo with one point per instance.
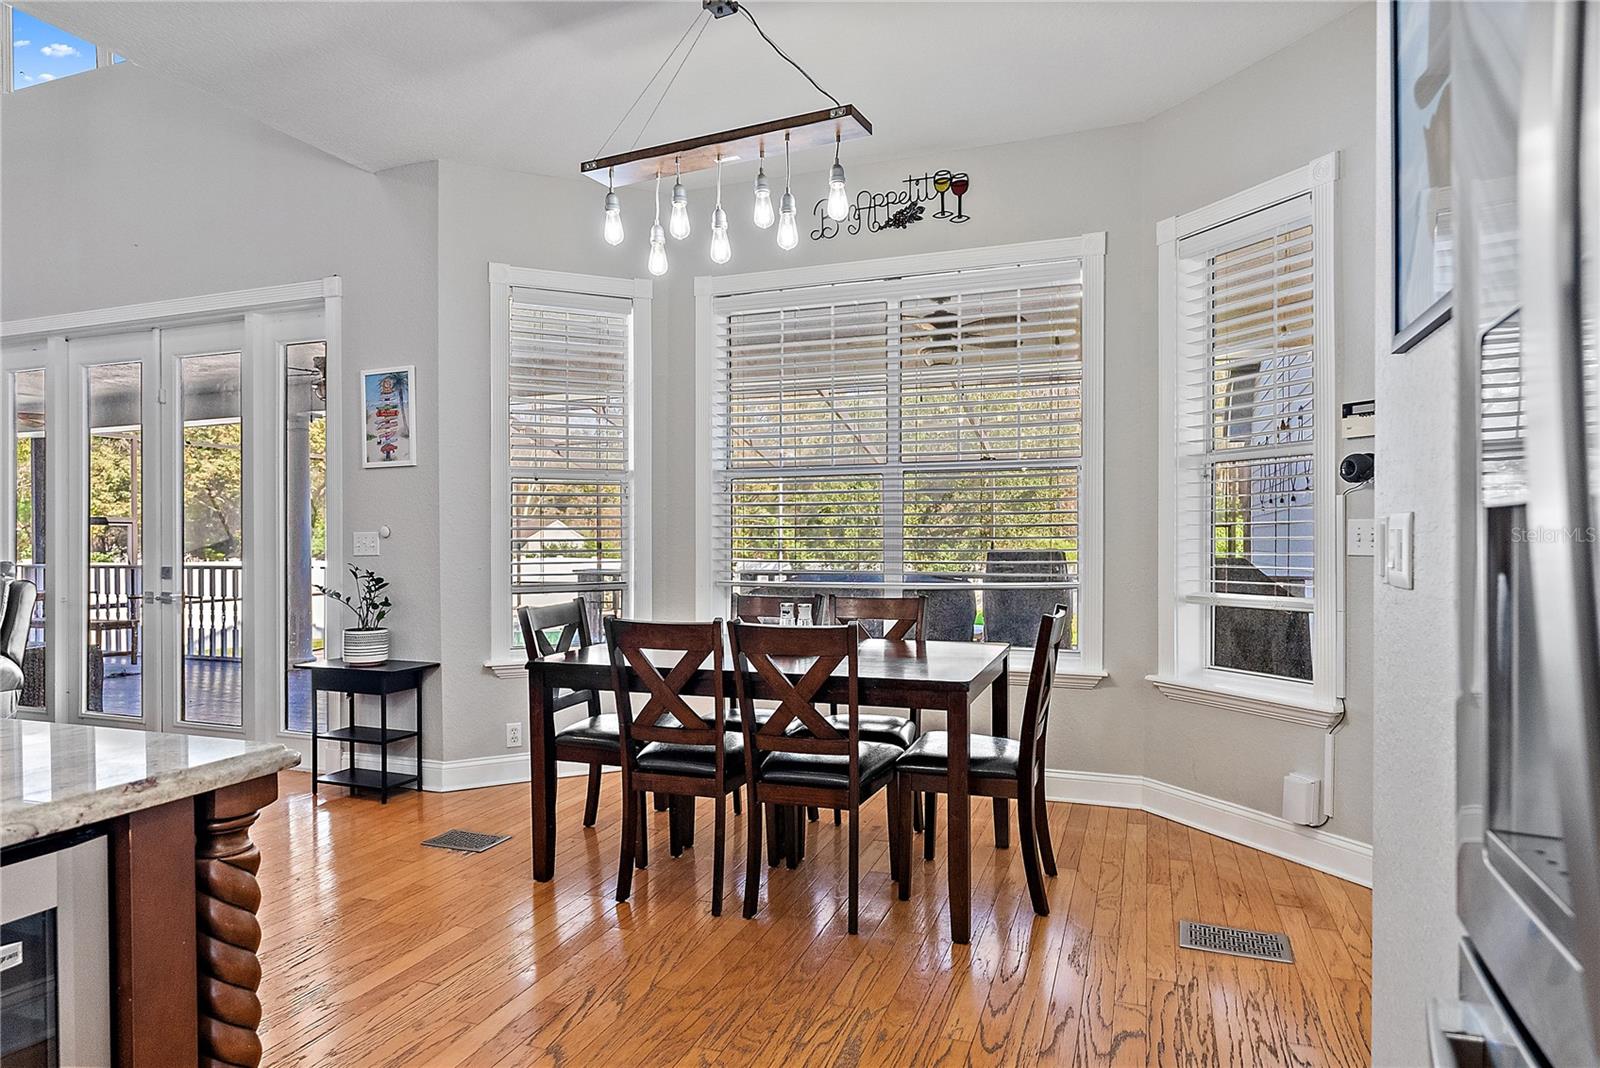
(366, 648)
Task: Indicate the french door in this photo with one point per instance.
(163, 566)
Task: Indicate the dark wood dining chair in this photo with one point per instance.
(594, 741)
(756, 607)
(901, 619)
(667, 747)
(827, 765)
(999, 767)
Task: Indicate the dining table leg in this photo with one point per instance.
(958, 839)
(541, 731)
(1000, 714)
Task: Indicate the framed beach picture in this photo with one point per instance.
(389, 417)
(1424, 219)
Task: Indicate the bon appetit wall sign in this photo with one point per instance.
(938, 196)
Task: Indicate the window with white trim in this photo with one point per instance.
(1249, 571)
(569, 449)
(917, 433)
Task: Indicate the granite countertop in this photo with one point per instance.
(57, 777)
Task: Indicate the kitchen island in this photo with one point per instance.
(173, 813)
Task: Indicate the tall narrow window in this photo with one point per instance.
(32, 513)
(115, 656)
(913, 434)
(569, 443)
(1251, 567)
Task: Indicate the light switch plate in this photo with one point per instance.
(365, 543)
(1398, 550)
(1363, 538)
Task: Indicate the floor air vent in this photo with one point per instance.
(1235, 941)
(467, 841)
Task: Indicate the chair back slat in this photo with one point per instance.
(1053, 630)
(690, 648)
(791, 665)
(754, 607)
(571, 619)
(901, 616)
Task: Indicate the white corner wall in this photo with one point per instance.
(1418, 669)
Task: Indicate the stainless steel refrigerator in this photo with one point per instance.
(1526, 175)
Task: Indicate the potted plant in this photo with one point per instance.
(366, 644)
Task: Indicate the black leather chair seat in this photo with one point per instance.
(734, 722)
(897, 731)
(989, 757)
(595, 732)
(674, 758)
(831, 772)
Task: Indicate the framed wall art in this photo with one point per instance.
(389, 417)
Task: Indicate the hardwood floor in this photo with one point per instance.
(378, 951)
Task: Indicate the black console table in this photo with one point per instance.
(381, 680)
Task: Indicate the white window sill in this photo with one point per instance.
(1255, 703)
(506, 667)
(1066, 678)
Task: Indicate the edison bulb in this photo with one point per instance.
(678, 224)
(788, 232)
(658, 250)
(838, 201)
(763, 214)
(613, 229)
(721, 251)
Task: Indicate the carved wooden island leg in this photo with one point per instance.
(228, 934)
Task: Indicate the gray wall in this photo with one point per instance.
(121, 187)
(1419, 664)
(166, 195)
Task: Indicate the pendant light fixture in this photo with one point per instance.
(721, 250)
(657, 262)
(788, 232)
(838, 123)
(838, 201)
(763, 212)
(613, 227)
(678, 224)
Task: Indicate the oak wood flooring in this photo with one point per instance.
(378, 951)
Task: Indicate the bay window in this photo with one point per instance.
(877, 430)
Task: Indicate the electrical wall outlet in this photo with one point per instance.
(364, 543)
(1363, 539)
(513, 735)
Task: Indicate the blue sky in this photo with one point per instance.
(42, 53)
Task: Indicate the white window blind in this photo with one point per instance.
(571, 476)
(922, 433)
(1246, 504)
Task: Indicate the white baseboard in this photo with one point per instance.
(447, 776)
(1335, 854)
(1332, 853)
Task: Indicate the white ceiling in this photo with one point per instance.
(535, 87)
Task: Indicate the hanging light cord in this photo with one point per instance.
(745, 11)
(699, 20)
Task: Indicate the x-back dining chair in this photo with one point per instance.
(999, 767)
(667, 746)
(594, 741)
(901, 619)
(828, 764)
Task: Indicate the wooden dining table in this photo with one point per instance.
(891, 674)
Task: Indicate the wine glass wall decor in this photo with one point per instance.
(896, 209)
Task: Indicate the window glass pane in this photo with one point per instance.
(567, 537)
(1261, 641)
(305, 521)
(213, 540)
(32, 511)
(114, 659)
(41, 53)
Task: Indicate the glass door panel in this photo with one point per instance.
(211, 471)
(114, 654)
(31, 509)
(305, 520)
